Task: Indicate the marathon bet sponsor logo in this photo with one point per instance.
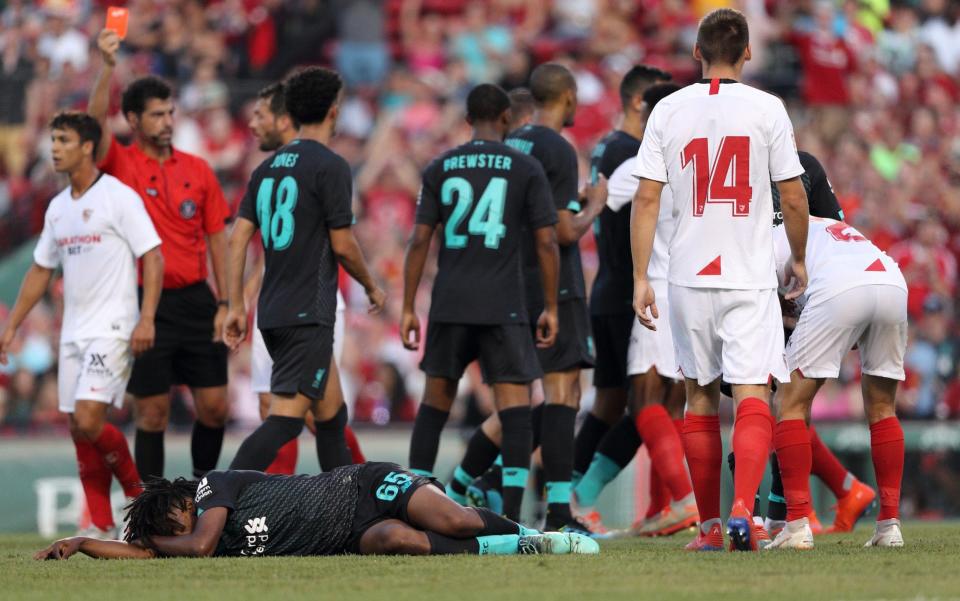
(203, 491)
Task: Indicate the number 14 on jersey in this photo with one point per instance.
(732, 164)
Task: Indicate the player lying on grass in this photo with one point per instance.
(370, 509)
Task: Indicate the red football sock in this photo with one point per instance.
(286, 460)
(665, 449)
(354, 445)
(113, 447)
(678, 425)
(826, 466)
(659, 494)
(96, 478)
(792, 442)
(886, 446)
(752, 435)
(704, 451)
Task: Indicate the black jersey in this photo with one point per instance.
(282, 515)
(487, 197)
(820, 197)
(612, 292)
(295, 197)
(559, 160)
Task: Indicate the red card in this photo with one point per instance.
(117, 20)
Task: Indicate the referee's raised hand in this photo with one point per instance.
(235, 328)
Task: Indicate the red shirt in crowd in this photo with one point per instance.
(920, 265)
(184, 200)
(826, 62)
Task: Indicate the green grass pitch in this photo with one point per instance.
(928, 568)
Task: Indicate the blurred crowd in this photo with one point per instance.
(872, 86)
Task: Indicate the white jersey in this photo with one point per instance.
(620, 191)
(838, 258)
(717, 145)
(97, 239)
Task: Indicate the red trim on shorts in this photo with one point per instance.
(714, 86)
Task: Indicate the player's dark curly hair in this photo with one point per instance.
(310, 92)
(137, 94)
(86, 126)
(276, 98)
(148, 515)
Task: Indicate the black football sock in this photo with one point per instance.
(444, 545)
(559, 422)
(148, 454)
(425, 439)
(516, 458)
(584, 445)
(332, 449)
(614, 453)
(733, 468)
(480, 455)
(536, 421)
(496, 524)
(622, 442)
(776, 503)
(205, 446)
(493, 477)
(260, 448)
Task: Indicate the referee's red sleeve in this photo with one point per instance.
(215, 209)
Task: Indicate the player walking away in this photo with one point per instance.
(628, 355)
(370, 509)
(300, 199)
(718, 144)
(856, 297)
(185, 203)
(95, 229)
(273, 127)
(485, 197)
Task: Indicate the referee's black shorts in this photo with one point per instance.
(183, 351)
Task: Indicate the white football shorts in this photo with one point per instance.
(737, 334)
(654, 348)
(93, 370)
(873, 317)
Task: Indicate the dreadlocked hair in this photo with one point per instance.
(148, 515)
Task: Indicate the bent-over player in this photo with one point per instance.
(856, 297)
